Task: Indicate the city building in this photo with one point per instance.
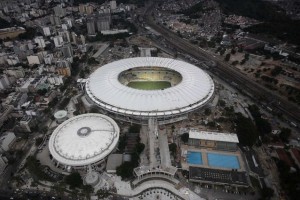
(59, 11)
(26, 123)
(58, 41)
(6, 141)
(113, 5)
(61, 116)
(93, 136)
(3, 163)
(33, 60)
(103, 22)
(4, 82)
(109, 87)
(40, 41)
(67, 51)
(91, 27)
(17, 72)
(213, 140)
(46, 31)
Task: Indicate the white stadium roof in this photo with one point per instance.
(213, 136)
(84, 139)
(104, 88)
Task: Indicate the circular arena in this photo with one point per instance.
(136, 89)
(83, 140)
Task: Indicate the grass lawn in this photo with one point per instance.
(149, 85)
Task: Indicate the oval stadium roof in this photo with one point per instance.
(104, 88)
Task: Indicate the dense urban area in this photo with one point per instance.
(150, 99)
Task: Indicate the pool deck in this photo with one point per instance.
(204, 151)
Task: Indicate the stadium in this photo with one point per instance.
(136, 89)
(83, 140)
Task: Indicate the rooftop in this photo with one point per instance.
(84, 139)
(214, 136)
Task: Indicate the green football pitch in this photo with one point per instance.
(149, 85)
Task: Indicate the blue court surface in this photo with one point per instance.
(223, 161)
(194, 158)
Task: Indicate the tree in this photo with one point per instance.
(277, 70)
(245, 130)
(227, 57)
(135, 128)
(233, 51)
(38, 141)
(222, 103)
(42, 92)
(173, 148)
(74, 180)
(207, 111)
(185, 137)
(125, 170)
(285, 134)
(139, 148)
(267, 193)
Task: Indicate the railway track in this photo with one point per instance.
(226, 71)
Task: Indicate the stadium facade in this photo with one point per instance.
(136, 89)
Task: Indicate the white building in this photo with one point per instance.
(6, 141)
(33, 60)
(59, 11)
(40, 41)
(4, 81)
(3, 163)
(113, 5)
(17, 72)
(46, 31)
(58, 41)
(84, 140)
(48, 59)
(12, 60)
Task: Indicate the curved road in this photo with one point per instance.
(226, 71)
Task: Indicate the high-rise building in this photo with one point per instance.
(3, 163)
(40, 41)
(103, 22)
(47, 31)
(58, 41)
(65, 35)
(74, 37)
(67, 51)
(55, 20)
(4, 82)
(59, 11)
(113, 5)
(91, 27)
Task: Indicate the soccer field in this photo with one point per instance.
(149, 85)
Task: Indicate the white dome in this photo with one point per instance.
(104, 89)
(84, 139)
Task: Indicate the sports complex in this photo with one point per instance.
(136, 89)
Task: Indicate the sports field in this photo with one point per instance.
(149, 85)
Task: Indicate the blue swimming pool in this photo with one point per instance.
(223, 161)
(194, 158)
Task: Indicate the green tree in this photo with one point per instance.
(173, 148)
(185, 137)
(125, 170)
(139, 148)
(38, 141)
(42, 92)
(74, 180)
(227, 57)
(135, 128)
(245, 130)
(285, 134)
(207, 111)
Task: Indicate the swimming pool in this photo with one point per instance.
(223, 161)
(194, 158)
